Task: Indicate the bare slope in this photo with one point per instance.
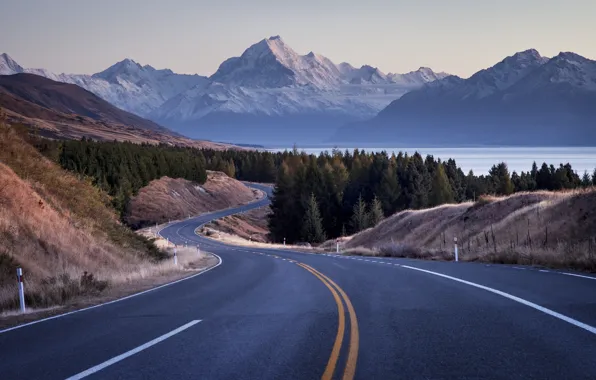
(56, 227)
(547, 228)
(62, 110)
(251, 226)
(170, 199)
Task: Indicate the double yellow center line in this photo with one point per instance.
(338, 295)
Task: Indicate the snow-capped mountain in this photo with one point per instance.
(271, 80)
(526, 99)
(8, 66)
(269, 83)
(127, 84)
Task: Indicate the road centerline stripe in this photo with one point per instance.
(350, 369)
(332, 363)
(513, 298)
(132, 352)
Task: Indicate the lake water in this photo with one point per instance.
(480, 160)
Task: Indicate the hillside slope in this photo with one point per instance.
(526, 99)
(170, 199)
(547, 228)
(67, 111)
(57, 227)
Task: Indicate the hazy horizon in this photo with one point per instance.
(186, 36)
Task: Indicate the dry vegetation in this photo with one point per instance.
(172, 199)
(251, 225)
(555, 229)
(60, 229)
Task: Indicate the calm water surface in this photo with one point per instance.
(480, 160)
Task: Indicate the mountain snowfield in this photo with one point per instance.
(526, 99)
(270, 83)
(272, 95)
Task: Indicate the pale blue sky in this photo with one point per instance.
(195, 36)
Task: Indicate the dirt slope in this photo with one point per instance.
(170, 199)
(251, 225)
(61, 110)
(557, 228)
(56, 227)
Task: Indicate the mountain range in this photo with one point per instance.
(269, 94)
(272, 95)
(526, 99)
(67, 111)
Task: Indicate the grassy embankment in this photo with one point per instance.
(552, 229)
(61, 230)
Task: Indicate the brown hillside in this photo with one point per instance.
(61, 110)
(170, 199)
(70, 99)
(56, 227)
(549, 228)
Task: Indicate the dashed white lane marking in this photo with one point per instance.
(544, 271)
(127, 354)
(519, 268)
(513, 298)
(578, 275)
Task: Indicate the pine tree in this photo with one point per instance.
(586, 180)
(375, 214)
(359, 219)
(594, 178)
(441, 191)
(501, 179)
(312, 223)
(389, 191)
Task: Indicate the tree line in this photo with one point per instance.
(339, 193)
(316, 196)
(122, 168)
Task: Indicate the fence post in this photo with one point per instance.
(21, 289)
(456, 255)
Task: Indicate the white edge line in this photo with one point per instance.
(578, 275)
(513, 298)
(113, 301)
(127, 354)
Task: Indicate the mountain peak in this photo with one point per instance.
(273, 38)
(9, 66)
(126, 67)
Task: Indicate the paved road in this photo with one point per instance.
(273, 314)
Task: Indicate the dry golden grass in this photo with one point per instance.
(555, 229)
(60, 229)
(251, 225)
(172, 199)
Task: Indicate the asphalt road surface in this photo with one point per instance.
(275, 314)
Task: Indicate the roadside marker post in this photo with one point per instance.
(284, 241)
(336, 245)
(167, 242)
(21, 289)
(455, 242)
(175, 256)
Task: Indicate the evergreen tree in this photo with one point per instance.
(359, 219)
(501, 179)
(586, 180)
(312, 223)
(441, 191)
(594, 178)
(282, 220)
(389, 191)
(375, 214)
